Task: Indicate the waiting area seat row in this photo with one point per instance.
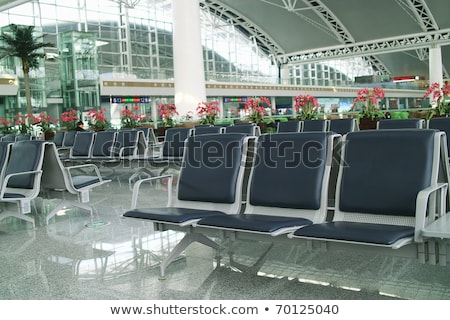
(381, 203)
(32, 168)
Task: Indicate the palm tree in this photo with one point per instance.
(22, 43)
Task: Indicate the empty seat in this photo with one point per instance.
(315, 125)
(289, 126)
(409, 123)
(383, 192)
(288, 185)
(343, 126)
(210, 183)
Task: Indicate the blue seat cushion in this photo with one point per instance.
(13, 195)
(85, 181)
(171, 214)
(381, 234)
(253, 222)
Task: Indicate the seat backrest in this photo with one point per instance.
(208, 129)
(381, 172)
(343, 126)
(26, 155)
(127, 143)
(290, 173)
(442, 124)
(173, 145)
(289, 126)
(152, 138)
(250, 129)
(212, 172)
(59, 138)
(103, 145)
(69, 138)
(23, 136)
(411, 123)
(82, 145)
(5, 149)
(10, 137)
(315, 125)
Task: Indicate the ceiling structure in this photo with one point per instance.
(392, 35)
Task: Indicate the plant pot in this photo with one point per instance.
(367, 124)
(49, 135)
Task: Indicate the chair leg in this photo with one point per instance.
(65, 203)
(182, 245)
(7, 214)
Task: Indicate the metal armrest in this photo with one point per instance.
(83, 166)
(138, 184)
(37, 173)
(430, 204)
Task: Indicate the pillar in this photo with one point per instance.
(435, 65)
(188, 56)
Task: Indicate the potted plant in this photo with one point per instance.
(168, 112)
(437, 95)
(21, 121)
(6, 126)
(306, 107)
(98, 120)
(69, 119)
(45, 122)
(367, 103)
(208, 112)
(129, 118)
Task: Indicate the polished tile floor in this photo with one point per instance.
(104, 256)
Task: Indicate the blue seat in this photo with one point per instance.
(103, 145)
(288, 185)
(208, 129)
(59, 138)
(69, 139)
(385, 181)
(22, 180)
(249, 129)
(343, 126)
(289, 126)
(77, 180)
(81, 149)
(208, 159)
(315, 125)
(409, 123)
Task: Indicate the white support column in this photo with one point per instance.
(188, 56)
(285, 75)
(435, 65)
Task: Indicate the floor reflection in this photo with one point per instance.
(104, 256)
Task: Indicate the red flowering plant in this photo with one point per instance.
(256, 109)
(167, 111)
(6, 126)
(307, 107)
(367, 101)
(22, 123)
(437, 95)
(69, 119)
(98, 120)
(44, 121)
(130, 118)
(208, 112)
